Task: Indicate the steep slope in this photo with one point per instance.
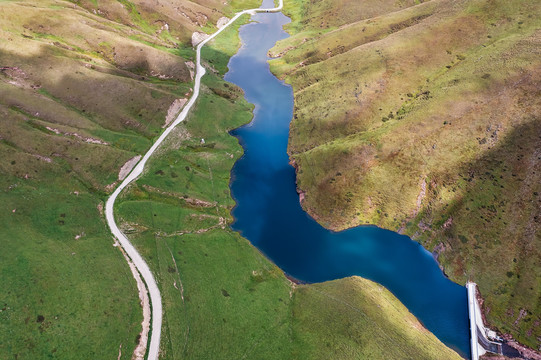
(425, 118)
(173, 21)
(80, 95)
(87, 86)
(222, 298)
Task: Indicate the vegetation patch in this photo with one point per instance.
(74, 110)
(430, 113)
(214, 281)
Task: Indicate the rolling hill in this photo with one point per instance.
(425, 118)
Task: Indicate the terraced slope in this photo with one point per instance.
(425, 117)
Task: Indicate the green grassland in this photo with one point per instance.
(222, 298)
(425, 118)
(66, 290)
(81, 92)
(355, 318)
(84, 87)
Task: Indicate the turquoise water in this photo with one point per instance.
(268, 212)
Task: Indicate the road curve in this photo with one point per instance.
(139, 262)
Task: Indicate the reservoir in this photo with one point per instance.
(268, 212)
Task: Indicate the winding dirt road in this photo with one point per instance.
(138, 261)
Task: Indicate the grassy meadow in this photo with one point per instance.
(222, 298)
(424, 118)
(84, 87)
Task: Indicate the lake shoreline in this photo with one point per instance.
(268, 211)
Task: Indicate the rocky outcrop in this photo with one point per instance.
(197, 37)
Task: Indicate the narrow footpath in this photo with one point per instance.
(152, 287)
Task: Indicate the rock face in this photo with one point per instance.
(191, 68)
(127, 167)
(173, 110)
(222, 21)
(197, 37)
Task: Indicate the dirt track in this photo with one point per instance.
(138, 261)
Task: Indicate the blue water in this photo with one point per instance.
(268, 212)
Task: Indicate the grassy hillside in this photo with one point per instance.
(86, 86)
(424, 117)
(223, 299)
(81, 93)
(354, 318)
